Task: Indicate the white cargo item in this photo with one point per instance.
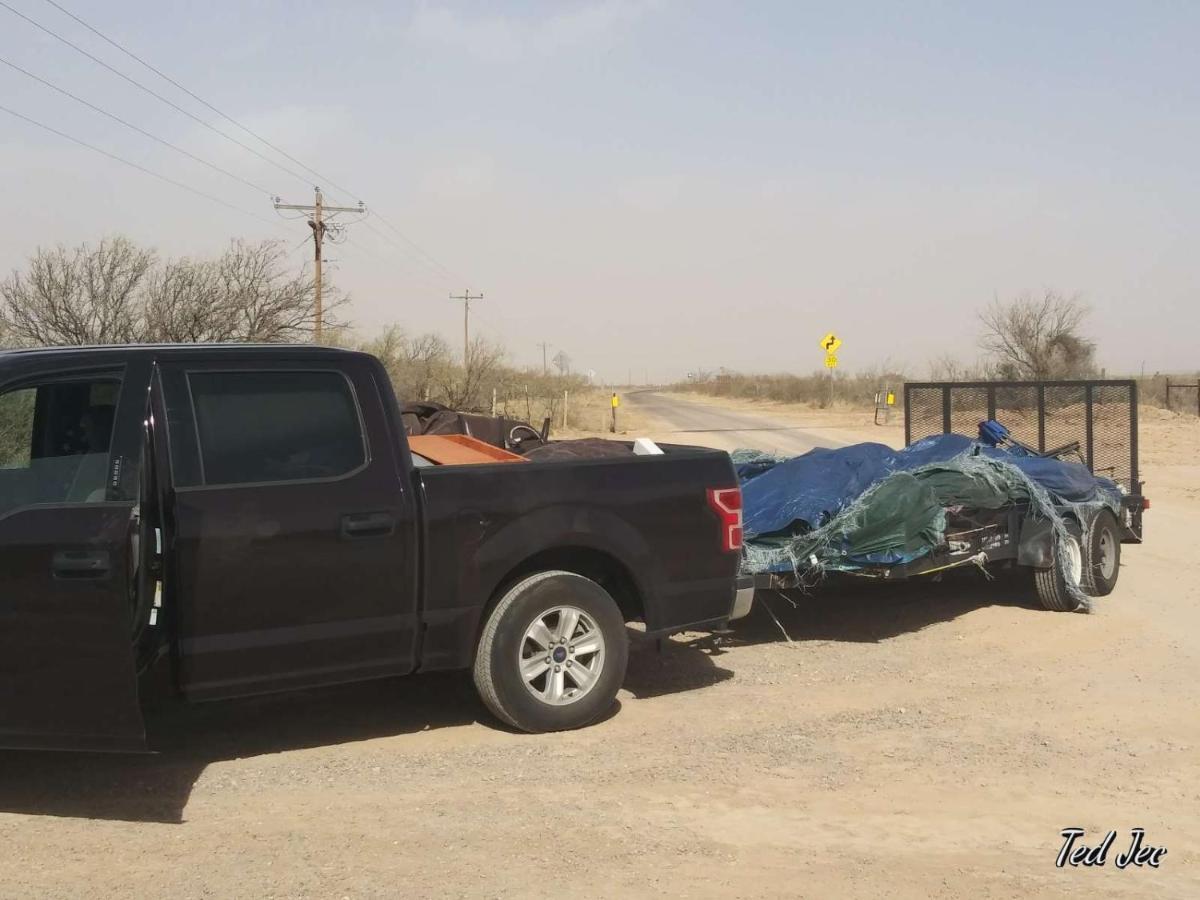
(646, 447)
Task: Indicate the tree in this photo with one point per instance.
(416, 365)
(423, 367)
(80, 296)
(463, 387)
(1033, 338)
(949, 368)
(120, 293)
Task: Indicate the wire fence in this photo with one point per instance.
(1099, 416)
(1182, 396)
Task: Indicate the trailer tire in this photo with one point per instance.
(1102, 555)
(1050, 583)
(552, 654)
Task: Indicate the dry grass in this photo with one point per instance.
(1168, 442)
(815, 389)
(589, 414)
(860, 388)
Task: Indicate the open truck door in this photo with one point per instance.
(70, 442)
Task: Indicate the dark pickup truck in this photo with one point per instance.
(249, 519)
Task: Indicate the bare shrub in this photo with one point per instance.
(1032, 338)
(423, 367)
(948, 368)
(813, 389)
(117, 292)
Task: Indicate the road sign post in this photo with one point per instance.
(830, 344)
(616, 401)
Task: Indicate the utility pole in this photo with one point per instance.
(316, 221)
(466, 297)
(544, 345)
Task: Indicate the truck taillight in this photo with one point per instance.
(727, 504)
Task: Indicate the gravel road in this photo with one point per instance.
(682, 420)
(929, 740)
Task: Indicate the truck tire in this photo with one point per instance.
(1051, 585)
(1102, 555)
(552, 654)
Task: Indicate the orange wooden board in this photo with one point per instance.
(459, 450)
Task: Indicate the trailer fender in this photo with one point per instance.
(1035, 546)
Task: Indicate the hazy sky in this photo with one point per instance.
(657, 185)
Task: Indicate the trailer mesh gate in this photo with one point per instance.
(1100, 415)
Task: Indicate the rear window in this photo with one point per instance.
(264, 427)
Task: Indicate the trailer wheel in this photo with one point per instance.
(1102, 555)
(1051, 584)
(552, 655)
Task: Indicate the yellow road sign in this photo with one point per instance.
(830, 343)
(830, 361)
(616, 401)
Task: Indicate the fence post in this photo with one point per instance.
(564, 425)
(1089, 431)
(493, 403)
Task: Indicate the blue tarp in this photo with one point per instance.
(805, 492)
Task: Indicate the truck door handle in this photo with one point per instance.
(79, 565)
(367, 525)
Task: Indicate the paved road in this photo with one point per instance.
(686, 421)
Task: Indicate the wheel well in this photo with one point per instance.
(597, 565)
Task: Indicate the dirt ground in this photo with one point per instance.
(927, 740)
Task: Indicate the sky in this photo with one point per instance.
(651, 186)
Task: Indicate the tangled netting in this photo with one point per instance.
(903, 517)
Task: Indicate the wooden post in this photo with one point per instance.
(318, 230)
(565, 394)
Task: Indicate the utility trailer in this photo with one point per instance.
(1093, 422)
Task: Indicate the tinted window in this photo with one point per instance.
(54, 442)
(16, 428)
(255, 427)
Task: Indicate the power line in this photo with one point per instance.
(141, 131)
(133, 165)
(163, 75)
(444, 270)
(440, 273)
(466, 297)
(151, 92)
(320, 230)
(420, 276)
